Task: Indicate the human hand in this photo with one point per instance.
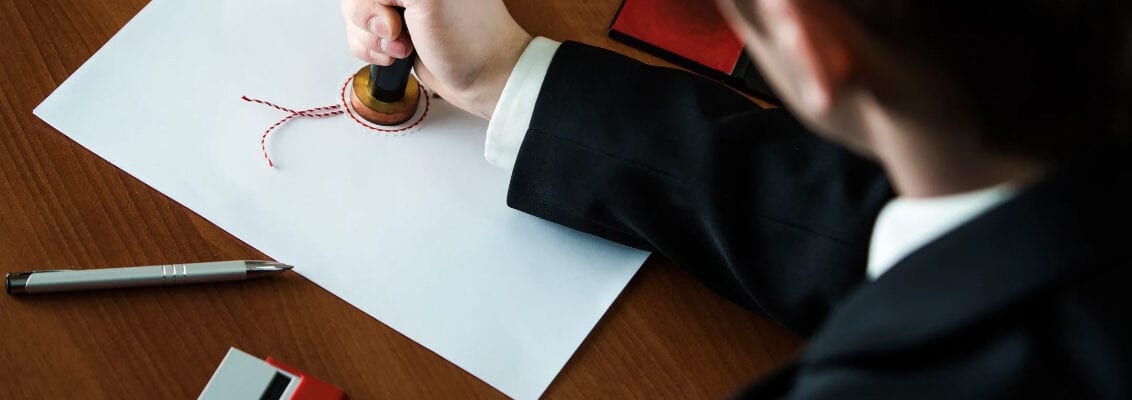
(466, 49)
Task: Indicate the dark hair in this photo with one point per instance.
(1046, 77)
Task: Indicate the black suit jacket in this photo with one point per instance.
(1022, 302)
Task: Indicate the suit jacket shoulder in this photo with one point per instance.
(1023, 302)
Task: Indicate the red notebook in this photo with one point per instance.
(692, 34)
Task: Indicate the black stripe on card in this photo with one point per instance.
(275, 389)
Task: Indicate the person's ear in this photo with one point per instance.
(813, 34)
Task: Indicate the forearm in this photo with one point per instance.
(744, 198)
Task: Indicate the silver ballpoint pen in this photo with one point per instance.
(156, 275)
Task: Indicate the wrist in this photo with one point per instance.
(495, 76)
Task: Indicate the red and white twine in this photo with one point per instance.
(329, 111)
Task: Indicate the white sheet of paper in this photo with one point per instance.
(413, 230)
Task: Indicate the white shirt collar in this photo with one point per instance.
(907, 224)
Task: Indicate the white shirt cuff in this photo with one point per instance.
(512, 116)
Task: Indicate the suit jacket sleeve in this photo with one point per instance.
(747, 200)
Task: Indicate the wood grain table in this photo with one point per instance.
(62, 206)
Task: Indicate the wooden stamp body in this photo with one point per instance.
(382, 112)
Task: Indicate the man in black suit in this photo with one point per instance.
(966, 245)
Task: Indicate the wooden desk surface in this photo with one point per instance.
(60, 206)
